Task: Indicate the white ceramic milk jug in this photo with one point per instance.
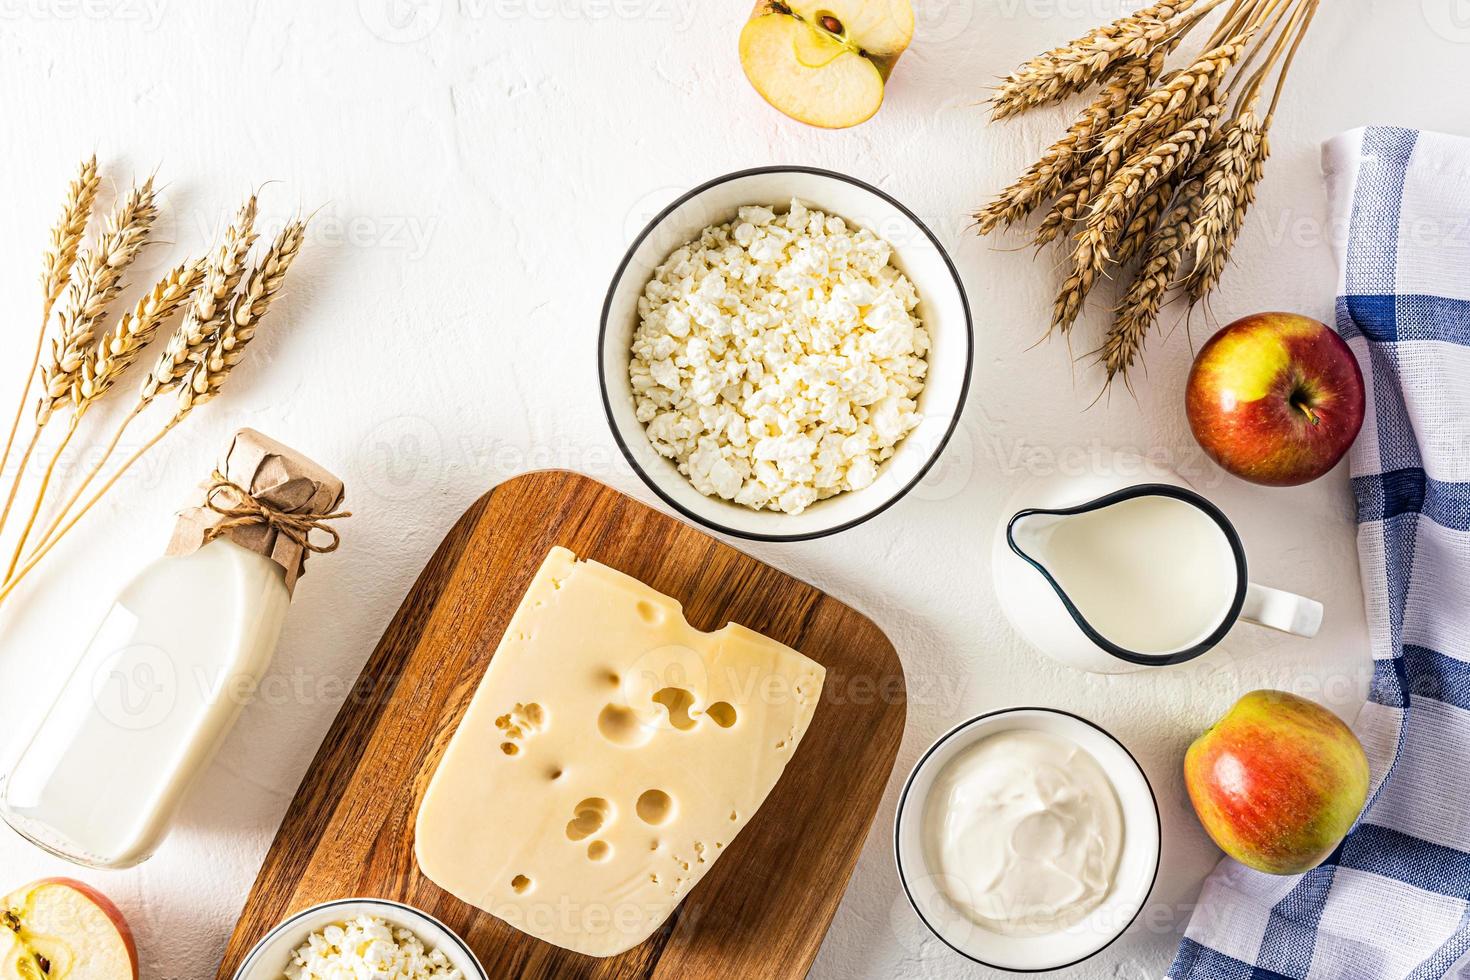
(1113, 573)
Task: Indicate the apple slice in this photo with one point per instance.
(881, 28)
(17, 962)
(61, 929)
(825, 64)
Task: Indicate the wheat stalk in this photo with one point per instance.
(135, 330)
(114, 353)
(16, 576)
(1166, 109)
(1130, 239)
(98, 280)
(1143, 218)
(1077, 65)
(206, 312)
(1059, 164)
(66, 236)
(1144, 172)
(1230, 190)
(1149, 159)
(1139, 308)
(210, 370)
(210, 367)
(56, 266)
(98, 284)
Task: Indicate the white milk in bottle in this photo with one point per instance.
(172, 664)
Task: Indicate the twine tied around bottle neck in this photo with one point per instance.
(247, 511)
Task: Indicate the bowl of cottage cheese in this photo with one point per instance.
(361, 937)
(784, 353)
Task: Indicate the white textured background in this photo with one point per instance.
(480, 165)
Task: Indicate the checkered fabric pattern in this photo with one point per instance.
(1394, 900)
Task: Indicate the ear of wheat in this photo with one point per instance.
(207, 311)
(1083, 62)
(56, 267)
(1152, 182)
(224, 301)
(97, 279)
(213, 365)
(135, 330)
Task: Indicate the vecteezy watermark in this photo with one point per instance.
(401, 21)
(148, 13)
(402, 458)
(937, 21)
(407, 234)
(1450, 19)
(407, 456)
(136, 688)
(1020, 457)
(1091, 11)
(407, 21)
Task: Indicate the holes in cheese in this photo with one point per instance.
(664, 733)
(678, 702)
(590, 816)
(655, 807)
(619, 724)
(722, 713)
(518, 724)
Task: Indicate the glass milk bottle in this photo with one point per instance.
(172, 664)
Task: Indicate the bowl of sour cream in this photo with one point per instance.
(1027, 839)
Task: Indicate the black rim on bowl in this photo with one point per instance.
(923, 470)
(903, 801)
(251, 957)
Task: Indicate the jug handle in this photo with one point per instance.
(1284, 611)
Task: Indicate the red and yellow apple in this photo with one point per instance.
(1275, 398)
(825, 63)
(61, 929)
(1277, 782)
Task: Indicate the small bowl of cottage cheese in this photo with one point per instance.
(361, 937)
(784, 353)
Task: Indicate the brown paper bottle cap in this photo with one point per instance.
(287, 497)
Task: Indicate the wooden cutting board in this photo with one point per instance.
(761, 911)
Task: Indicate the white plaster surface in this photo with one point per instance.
(479, 170)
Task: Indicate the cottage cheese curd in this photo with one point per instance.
(367, 948)
(778, 358)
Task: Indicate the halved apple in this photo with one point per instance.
(825, 63)
(61, 929)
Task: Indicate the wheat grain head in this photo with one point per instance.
(97, 283)
(210, 370)
(206, 311)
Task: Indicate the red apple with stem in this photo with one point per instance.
(1277, 782)
(1275, 398)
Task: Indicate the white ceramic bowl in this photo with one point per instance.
(1138, 863)
(943, 310)
(269, 958)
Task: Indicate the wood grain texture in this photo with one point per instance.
(760, 912)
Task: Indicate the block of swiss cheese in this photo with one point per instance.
(608, 758)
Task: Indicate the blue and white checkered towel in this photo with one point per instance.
(1394, 900)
